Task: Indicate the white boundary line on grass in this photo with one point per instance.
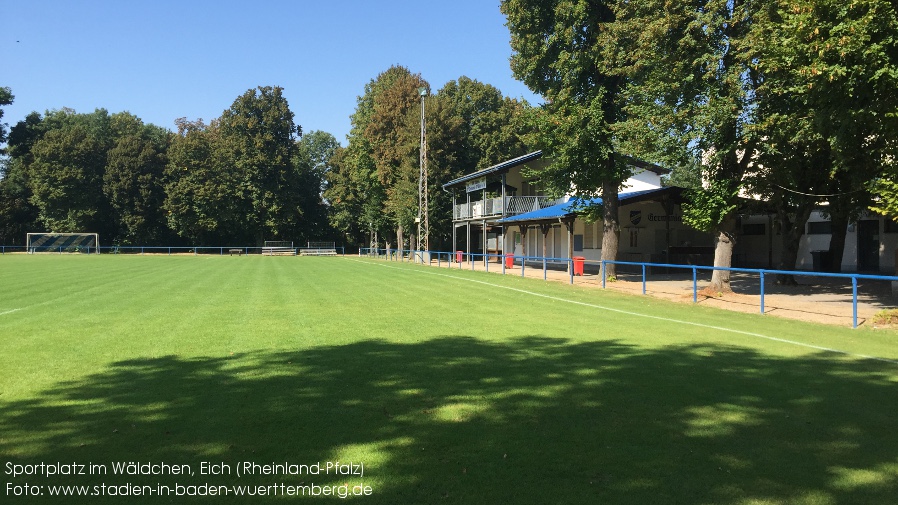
(647, 316)
(9, 312)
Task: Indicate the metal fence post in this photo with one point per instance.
(694, 285)
(603, 274)
(643, 278)
(762, 291)
(854, 302)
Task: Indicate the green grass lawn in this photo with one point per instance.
(449, 386)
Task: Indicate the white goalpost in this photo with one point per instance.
(85, 243)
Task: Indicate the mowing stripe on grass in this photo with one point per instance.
(647, 316)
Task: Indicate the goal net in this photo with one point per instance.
(62, 243)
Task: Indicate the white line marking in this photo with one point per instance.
(647, 316)
(9, 312)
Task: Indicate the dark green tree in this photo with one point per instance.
(6, 98)
(259, 136)
(840, 61)
(17, 214)
(561, 51)
(353, 197)
(691, 93)
(393, 134)
(371, 183)
(204, 195)
(134, 180)
(314, 152)
(66, 180)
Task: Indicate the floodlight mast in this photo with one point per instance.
(423, 203)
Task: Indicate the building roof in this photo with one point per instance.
(521, 160)
(495, 169)
(569, 209)
(645, 165)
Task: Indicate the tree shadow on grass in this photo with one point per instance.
(456, 419)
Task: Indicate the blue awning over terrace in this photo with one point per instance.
(569, 209)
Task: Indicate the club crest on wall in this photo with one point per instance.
(635, 217)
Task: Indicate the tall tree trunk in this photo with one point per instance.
(400, 239)
(610, 226)
(791, 231)
(839, 219)
(723, 255)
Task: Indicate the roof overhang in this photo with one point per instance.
(503, 167)
(570, 209)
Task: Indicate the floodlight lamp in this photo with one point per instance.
(422, 91)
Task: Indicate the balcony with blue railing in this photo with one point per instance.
(492, 207)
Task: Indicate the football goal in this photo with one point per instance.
(86, 243)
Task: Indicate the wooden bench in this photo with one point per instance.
(238, 252)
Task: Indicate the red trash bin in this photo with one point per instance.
(509, 260)
(578, 264)
(458, 256)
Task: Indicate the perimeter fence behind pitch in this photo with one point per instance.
(171, 250)
(579, 267)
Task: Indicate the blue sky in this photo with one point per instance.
(161, 60)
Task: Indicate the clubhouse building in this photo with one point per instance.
(502, 209)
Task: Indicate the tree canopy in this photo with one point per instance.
(560, 50)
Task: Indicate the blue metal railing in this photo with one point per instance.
(460, 258)
(507, 261)
(195, 250)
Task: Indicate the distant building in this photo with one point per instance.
(870, 243)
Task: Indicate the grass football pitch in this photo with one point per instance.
(139, 379)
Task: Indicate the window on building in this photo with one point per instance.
(820, 228)
(754, 229)
(890, 226)
(578, 242)
(634, 237)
